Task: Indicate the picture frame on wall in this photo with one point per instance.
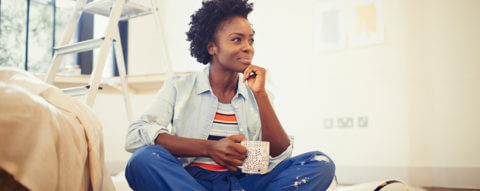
(330, 33)
(366, 23)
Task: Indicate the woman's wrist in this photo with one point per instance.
(260, 94)
(207, 148)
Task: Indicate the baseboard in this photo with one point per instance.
(114, 167)
(446, 177)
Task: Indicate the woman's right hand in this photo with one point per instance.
(227, 152)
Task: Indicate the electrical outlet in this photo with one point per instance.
(345, 122)
(328, 123)
(362, 121)
(350, 121)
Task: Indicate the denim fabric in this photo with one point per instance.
(154, 168)
(185, 106)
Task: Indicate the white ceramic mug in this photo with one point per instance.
(258, 156)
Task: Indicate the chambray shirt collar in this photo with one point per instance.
(203, 84)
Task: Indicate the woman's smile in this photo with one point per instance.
(245, 60)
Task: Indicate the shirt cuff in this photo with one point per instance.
(152, 132)
(274, 161)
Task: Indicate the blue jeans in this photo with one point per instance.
(154, 168)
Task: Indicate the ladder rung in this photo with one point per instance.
(131, 16)
(77, 91)
(79, 46)
(103, 7)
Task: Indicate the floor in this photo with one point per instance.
(397, 187)
(450, 189)
(122, 185)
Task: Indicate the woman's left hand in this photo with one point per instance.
(256, 82)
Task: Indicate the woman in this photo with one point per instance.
(211, 112)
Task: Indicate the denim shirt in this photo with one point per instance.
(185, 106)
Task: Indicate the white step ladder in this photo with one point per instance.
(116, 10)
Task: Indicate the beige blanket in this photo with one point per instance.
(49, 140)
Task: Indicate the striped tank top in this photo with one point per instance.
(224, 125)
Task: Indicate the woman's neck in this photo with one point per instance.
(223, 82)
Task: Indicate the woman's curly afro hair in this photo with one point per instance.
(205, 21)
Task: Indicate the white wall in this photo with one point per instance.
(443, 64)
(419, 89)
(146, 53)
(111, 110)
(356, 82)
(444, 75)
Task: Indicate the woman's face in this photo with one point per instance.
(233, 46)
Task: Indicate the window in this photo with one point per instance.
(40, 35)
(12, 33)
(46, 21)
